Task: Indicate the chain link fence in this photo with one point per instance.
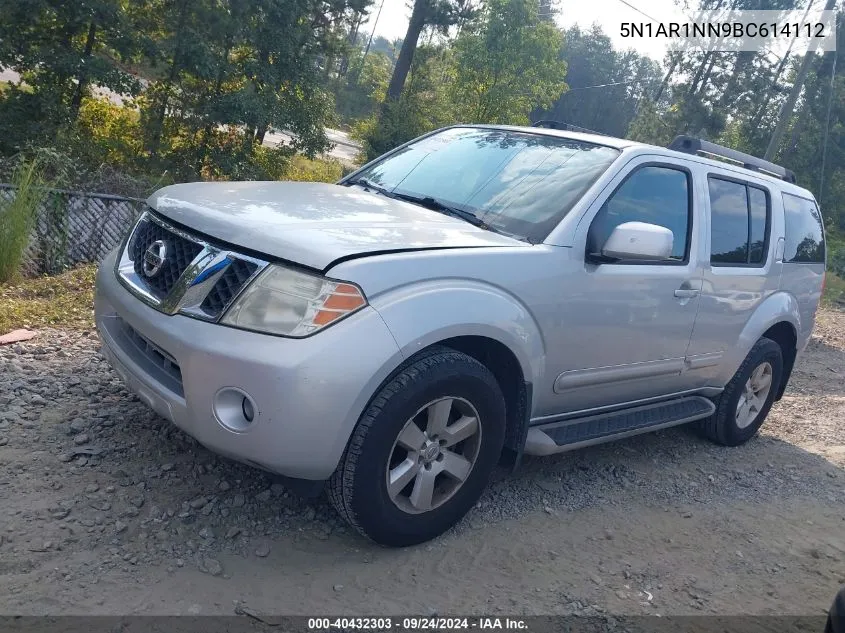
(72, 227)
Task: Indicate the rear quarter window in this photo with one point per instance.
(804, 231)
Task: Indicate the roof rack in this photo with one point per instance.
(560, 125)
(692, 145)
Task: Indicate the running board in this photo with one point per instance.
(568, 435)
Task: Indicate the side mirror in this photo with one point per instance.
(638, 241)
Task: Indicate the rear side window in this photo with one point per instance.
(804, 231)
(739, 223)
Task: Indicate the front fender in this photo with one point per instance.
(776, 308)
(422, 314)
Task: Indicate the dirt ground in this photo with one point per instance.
(107, 509)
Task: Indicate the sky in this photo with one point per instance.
(608, 13)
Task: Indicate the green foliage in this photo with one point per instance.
(359, 93)
(17, 219)
(607, 87)
(506, 64)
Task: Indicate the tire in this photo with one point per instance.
(728, 426)
(358, 489)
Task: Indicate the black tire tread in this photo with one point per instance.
(341, 483)
(716, 427)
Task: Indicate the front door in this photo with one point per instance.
(626, 325)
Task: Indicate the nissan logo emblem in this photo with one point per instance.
(154, 258)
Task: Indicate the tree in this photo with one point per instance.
(606, 87)
(507, 63)
(439, 14)
(60, 49)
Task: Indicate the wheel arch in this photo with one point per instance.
(776, 318)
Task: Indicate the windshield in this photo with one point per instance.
(518, 183)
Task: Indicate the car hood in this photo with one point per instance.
(314, 224)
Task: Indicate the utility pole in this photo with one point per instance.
(789, 105)
(372, 31)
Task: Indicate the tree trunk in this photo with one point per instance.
(161, 109)
(409, 47)
(82, 76)
(665, 83)
(786, 111)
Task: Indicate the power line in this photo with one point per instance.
(615, 83)
(628, 4)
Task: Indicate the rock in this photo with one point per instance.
(263, 496)
(82, 438)
(238, 501)
(277, 489)
(206, 533)
(59, 513)
(4, 441)
(211, 566)
(179, 562)
(167, 467)
(262, 551)
(224, 486)
(608, 535)
(120, 527)
(137, 501)
(78, 425)
(310, 514)
(232, 532)
(66, 457)
(91, 488)
(686, 515)
(198, 503)
(338, 587)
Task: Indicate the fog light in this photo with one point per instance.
(248, 409)
(234, 409)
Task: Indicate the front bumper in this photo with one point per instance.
(309, 393)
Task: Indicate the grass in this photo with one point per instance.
(64, 301)
(17, 218)
(834, 289)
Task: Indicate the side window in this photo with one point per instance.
(654, 194)
(739, 223)
(804, 231)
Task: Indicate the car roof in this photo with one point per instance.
(596, 139)
(625, 144)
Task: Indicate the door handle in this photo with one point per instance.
(686, 293)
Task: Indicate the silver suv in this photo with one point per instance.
(478, 293)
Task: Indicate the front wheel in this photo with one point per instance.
(423, 451)
(747, 398)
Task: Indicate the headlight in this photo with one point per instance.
(291, 303)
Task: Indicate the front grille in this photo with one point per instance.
(180, 253)
(227, 287)
(150, 357)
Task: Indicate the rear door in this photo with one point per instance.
(740, 267)
(803, 257)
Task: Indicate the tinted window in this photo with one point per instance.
(517, 182)
(728, 222)
(804, 230)
(657, 195)
(758, 206)
(739, 220)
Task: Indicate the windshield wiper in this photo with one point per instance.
(428, 202)
(369, 184)
(436, 205)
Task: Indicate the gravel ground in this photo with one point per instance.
(109, 509)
